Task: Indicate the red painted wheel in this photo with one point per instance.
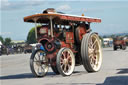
(65, 61)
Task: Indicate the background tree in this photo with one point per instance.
(104, 36)
(113, 36)
(7, 41)
(31, 36)
(1, 39)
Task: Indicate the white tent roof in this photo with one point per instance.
(0, 43)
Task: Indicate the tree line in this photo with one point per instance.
(5, 41)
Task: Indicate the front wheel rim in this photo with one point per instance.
(40, 63)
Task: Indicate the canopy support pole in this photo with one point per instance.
(51, 27)
(35, 30)
(35, 20)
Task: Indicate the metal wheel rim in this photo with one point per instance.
(40, 63)
(94, 52)
(67, 62)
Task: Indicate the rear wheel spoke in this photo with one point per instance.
(94, 42)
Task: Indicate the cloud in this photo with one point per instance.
(64, 8)
(14, 5)
(34, 2)
(5, 33)
(4, 3)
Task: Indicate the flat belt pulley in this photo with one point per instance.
(50, 47)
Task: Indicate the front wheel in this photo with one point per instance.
(65, 61)
(91, 52)
(39, 63)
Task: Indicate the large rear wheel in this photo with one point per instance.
(91, 52)
(65, 61)
(39, 63)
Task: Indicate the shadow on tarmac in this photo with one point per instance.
(117, 80)
(123, 71)
(17, 76)
(22, 76)
(112, 80)
(70, 84)
(30, 75)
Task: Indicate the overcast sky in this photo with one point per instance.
(114, 14)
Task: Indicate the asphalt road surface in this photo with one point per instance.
(15, 70)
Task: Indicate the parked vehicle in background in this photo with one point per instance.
(119, 43)
(107, 42)
(27, 49)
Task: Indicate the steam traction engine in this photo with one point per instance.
(65, 41)
(119, 42)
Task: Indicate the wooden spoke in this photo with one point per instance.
(39, 63)
(66, 61)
